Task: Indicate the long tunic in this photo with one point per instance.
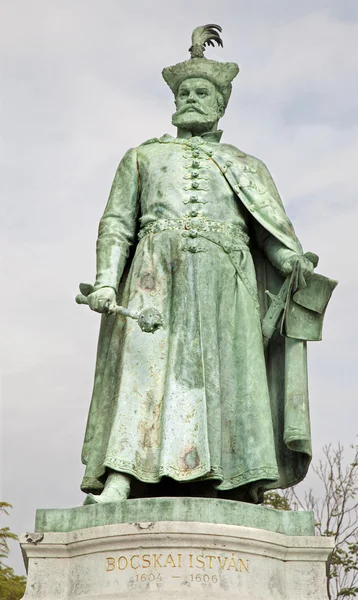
(191, 401)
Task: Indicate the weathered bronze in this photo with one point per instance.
(215, 402)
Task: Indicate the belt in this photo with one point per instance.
(199, 227)
(193, 227)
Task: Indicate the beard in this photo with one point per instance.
(195, 120)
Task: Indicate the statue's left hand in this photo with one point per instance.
(302, 267)
(305, 266)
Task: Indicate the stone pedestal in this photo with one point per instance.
(165, 557)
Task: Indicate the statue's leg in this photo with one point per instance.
(117, 488)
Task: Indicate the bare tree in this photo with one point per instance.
(336, 515)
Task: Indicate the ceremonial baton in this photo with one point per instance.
(149, 319)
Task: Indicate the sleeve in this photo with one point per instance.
(118, 225)
(275, 250)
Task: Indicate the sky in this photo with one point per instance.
(80, 84)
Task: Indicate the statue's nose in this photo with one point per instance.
(191, 98)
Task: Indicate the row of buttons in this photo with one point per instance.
(195, 177)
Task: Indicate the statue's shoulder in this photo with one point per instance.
(237, 159)
(235, 153)
(149, 142)
(150, 147)
(164, 139)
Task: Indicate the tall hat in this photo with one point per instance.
(219, 73)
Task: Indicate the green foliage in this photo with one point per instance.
(5, 533)
(12, 587)
(275, 500)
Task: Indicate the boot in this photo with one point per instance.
(116, 489)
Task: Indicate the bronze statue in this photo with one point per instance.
(215, 401)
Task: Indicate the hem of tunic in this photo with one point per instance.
(267, 474)
(198, 474)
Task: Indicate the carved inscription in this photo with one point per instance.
(175, 561)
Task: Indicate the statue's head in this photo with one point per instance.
(201, 87)
(199, 105)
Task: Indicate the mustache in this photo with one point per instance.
(185, 109)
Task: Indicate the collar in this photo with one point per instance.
(213, 136)
(209, 136)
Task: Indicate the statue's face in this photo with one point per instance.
(197, 103)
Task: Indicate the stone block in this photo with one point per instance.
(200, 510)
(175, 560)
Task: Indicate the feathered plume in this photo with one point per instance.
(220, 74)
(203, 36)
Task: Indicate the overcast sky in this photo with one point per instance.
(80, 84)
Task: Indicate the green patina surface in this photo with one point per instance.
(202, 510)
(195, 231)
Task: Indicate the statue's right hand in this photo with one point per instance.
(101, 299)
